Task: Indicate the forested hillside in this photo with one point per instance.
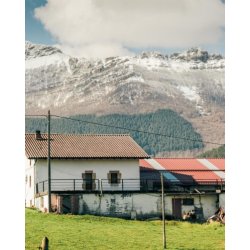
(164, 122)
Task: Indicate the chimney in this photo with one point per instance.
(38, 135)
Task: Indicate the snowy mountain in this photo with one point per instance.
(190, 83)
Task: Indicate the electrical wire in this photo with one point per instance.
(36, 115)
(129, 129)
(136, 130)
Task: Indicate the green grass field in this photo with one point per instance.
(67, 232)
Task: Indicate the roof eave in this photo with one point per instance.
(86, 158)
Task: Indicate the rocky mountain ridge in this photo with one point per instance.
(190, 83)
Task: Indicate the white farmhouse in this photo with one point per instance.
(112, 175)
(79, 164)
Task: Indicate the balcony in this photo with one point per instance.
(136, 185)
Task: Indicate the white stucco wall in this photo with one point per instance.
(38, 203)
(73, 169)
(119, 204)
(145, 204)
(222, 200)
(29, 189)
(207, 202)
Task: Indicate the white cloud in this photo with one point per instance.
(94, 50)
(106, 28)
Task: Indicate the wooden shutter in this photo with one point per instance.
(94, 181)
(119, 176)
(109, 177)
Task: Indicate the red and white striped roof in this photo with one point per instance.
(198, 169)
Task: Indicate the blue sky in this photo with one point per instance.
(55, 34)
(34, 30)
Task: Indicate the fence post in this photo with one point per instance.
(45, 244)
(43, 186)
(101, 185)
(98, 184)
(74, 184)
(163, 212)
(122, 184)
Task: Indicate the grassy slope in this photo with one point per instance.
(90, 232)
(214, 153)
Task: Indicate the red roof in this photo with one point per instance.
(220, 163)
(182, 168)
(83, 146)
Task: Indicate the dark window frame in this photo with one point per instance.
(114, 178)
(89, 184)
(188, 201)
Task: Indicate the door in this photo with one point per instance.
(176, 208)
(74, 204)
(66, 204)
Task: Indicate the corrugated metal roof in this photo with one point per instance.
(219, 163)
(83, 146)
(145, 164)
(212, 167)
(181, 164)
(188, 168)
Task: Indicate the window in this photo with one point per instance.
(188, 202)
(114, 177)
(89, 180)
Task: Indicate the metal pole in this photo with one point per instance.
(163, 213)
(49, 169)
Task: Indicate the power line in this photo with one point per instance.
(130, 129)
(136, 130)
(36, 115)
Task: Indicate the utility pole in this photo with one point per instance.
(163, 213)
(49, 169)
